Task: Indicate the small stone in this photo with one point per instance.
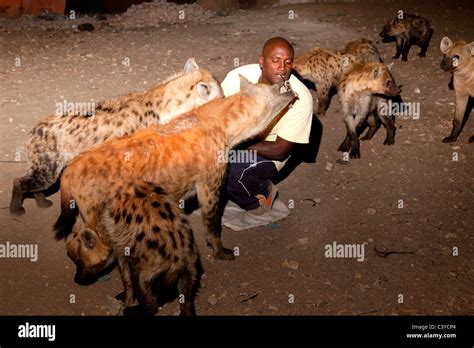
(450, 235)
(212, 300)
(290, 264)
(244, 284)
(371, 211)
(85, 27)
(273, 308)
(302, 241)
(329, 166)
(417, 90)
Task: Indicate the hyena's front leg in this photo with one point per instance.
(146, 296)
(389, 124)
(405, 50)
(461, 104)
(373, 121)
(353, 124)
(127, 297)
(209, 194)
(346, 144)
(400, 43)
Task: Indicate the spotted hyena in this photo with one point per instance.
(322, 70)
(408, 30)
(365, 51)
(459, 61)
(57, 139)
(356, 93)
(183, 157)
(153, 244)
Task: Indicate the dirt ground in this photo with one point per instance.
(333, 202)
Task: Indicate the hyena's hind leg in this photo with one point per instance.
(32, 182)
(127, 296)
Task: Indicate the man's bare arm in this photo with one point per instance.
(277, 150)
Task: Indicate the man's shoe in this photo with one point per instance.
(266, 203)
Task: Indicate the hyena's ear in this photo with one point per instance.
(190, 66)
(88, 238)
(204, 90)
(445, 44)
(470, 48)
(390, 66)
(376, 72)
(245, 85)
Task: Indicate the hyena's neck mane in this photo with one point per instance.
(233, 115)
(353, 87)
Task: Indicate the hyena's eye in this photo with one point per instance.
(388, 83)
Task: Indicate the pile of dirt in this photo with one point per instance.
(151, 14)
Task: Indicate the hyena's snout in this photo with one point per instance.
(447, 64)
(393, 90)
(84, 278)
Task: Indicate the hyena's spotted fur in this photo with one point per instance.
(356, 95)
(153, 244)
(182, 156)
(366, 52)
(324, 70)
(57, 139)
(408, 30)
(459, 61)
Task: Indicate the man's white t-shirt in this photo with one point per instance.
(295, 124)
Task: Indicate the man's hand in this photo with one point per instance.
(277, 150)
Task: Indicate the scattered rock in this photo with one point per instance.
(291, 264)
(85, 27)
(212, 300)
(371, 211)
(302, 241)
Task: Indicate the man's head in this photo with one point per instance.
(276, 60)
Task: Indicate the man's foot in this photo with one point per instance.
(266, 203)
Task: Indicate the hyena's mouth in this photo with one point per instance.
(447, 65)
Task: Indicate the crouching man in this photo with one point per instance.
(250, 182)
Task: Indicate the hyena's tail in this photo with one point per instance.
(67, 219)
